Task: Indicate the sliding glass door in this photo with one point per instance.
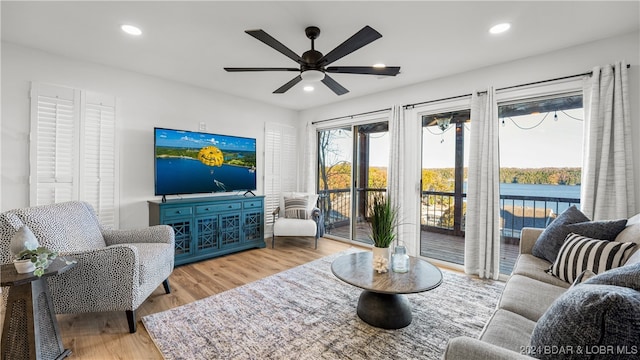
(352, 171)
(445, 154)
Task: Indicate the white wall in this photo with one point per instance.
(145, 102)
(570, 61)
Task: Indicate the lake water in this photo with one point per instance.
(512, 224)
(190, 176)
(558, 191)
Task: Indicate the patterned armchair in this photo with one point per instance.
(116, 270)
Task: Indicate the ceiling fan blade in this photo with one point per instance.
(277, 45)
(334, 86)
(260, 69)
(282, 89)
(366, 70)
(363, 37)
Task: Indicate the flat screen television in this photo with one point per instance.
(189, 162)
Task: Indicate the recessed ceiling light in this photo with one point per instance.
(308, 88)
(131, 30)
(379, 66)
(500, 28)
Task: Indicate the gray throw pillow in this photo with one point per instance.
(627, 276)
(551, 239)
(589, 321)
(603, 230)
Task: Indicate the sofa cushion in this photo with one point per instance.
(528, 297)
(508, 330)
(580, 253)
(626, 276)
(294, 227)
(536, 268)
(593, 317)
(551, 239)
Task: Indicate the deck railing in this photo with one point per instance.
(437, 210)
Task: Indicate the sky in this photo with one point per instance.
(548, 143)
(190, 139)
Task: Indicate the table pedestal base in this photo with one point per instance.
(386, 311)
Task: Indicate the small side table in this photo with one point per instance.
(30, 329)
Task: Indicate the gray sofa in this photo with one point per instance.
(531, 294)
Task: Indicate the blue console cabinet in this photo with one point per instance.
(211, 226)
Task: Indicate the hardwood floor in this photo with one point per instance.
(105, 335)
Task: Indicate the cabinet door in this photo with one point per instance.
(230, 229)
(253, 227)
(207, 237)
(183, 231)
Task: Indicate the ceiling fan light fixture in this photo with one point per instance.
(308, 88)
(379, 66)
(312, 75)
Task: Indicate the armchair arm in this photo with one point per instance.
(528, 237)
(315, 214)
(112, 273)
(152, 234)
(469, 349)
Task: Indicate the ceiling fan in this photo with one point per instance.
(313, 65)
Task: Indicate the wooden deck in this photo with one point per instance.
(437, 246)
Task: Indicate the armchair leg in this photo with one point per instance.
(167, 288)
(131, 318)
(273, 242)
(316, 243)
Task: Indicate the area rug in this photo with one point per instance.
(307, 313)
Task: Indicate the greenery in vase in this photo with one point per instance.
(383, 222)
(40, 257)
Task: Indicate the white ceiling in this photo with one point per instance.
(191, 42)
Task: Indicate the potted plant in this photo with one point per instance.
(383, 228)
(36, 260)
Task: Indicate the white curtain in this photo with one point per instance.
(396, 169)
(482, 231)
(607, 190)
(310, 159)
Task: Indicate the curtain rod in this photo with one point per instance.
(350, 116)
(589, 73)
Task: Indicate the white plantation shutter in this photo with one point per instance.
(280, 165)
(98, 157)
(53, 139)
(73, 149)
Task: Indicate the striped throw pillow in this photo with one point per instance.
(295, 208)
(580, 253)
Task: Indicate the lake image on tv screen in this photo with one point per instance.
(191, 162)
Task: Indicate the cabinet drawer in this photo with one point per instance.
(207, 209)
(177, 211)
(253, 204)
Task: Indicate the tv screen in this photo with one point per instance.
(189, 162)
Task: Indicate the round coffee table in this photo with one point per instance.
(381, 303)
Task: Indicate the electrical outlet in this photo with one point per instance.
(203, 126)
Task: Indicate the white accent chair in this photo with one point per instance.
(284, 225)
